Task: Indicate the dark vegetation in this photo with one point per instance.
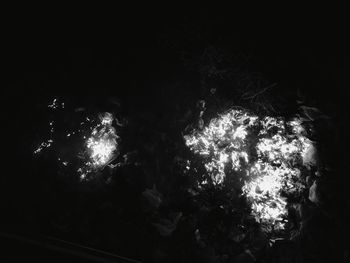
(154, 83)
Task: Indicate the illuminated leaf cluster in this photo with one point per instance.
(269, 152)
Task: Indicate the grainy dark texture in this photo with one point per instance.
(152, 74)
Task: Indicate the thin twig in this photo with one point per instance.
(261, 91)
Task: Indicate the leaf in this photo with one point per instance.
(153, 197)
(166, 227)
(313, 113)
(313, 194)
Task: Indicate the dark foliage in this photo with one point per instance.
(149, 209)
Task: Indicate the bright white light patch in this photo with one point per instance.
(267, 150)
(95, 144)
(101, 148)
(223, 141)
(101, 145)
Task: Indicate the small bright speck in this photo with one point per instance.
(43, 145)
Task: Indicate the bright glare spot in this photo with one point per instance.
(101, 149)
(267, 150)
(100, 146)
(264, 192)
